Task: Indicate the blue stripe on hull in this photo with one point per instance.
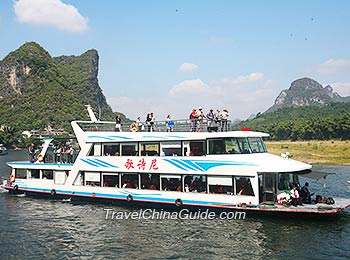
(170, 205)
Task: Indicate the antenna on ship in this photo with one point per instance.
(91, 113)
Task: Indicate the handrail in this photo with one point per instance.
(182, 125)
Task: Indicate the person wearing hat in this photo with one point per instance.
(224, 119)
(200, 117)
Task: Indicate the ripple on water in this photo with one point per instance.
(43, 229)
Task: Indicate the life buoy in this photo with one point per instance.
(178, 203)
(53, 192)
(129, 198)
(134, 127)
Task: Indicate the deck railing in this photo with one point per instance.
(182, 125)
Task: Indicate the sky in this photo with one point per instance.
(168, 57)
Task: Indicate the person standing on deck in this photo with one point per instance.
(150, 120)
(200, 118)
(193, 119)
(118, 124)
(169, 124)
(211, 118)
(140, 126)
(31, 152)
(224, 119)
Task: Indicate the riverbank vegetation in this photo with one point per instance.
(304, 123)
(315, 152)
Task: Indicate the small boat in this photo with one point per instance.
(3, 150)
(218, 171)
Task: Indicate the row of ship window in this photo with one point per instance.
(228, 145)
(233, 185)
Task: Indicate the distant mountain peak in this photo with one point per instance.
(305, 92)
(37, 90)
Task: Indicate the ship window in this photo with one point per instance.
(223, 146)
(257, 145)
(130, 181)
(149, 149)
(22, 173)
(217, 146)
(60, 177)
(129, 149)
(195, 183)
(48, 174)
(111, 149)
(231, 145)
(220, 184)
(171, 183)
(286, 181)
(243, 186)
(197, 148)
(150, 181)
(35, 173)
(170, 149)
(243, 145)
(110, 180)
(92, 179)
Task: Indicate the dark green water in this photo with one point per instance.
(44, 229)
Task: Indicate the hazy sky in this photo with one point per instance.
(170, 56)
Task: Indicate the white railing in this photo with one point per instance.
(182, 125)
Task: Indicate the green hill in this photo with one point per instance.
(327, 122)
(37, 90)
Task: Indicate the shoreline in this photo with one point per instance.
(332, 152)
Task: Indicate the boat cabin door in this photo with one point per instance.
(267, 187)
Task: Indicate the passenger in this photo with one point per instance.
(224, 119)
(58, 154)
(69, 152)
(187, 188)
(140, 125)
(31, 152)
(193, 118)
(150, 120)
(241, 190)
(169, 124)
(305, 194)
(211, 119)
(40, 158)
(200, 118)
(218, 119)
(118, 124)
(295, 195)
(153, 187)
(178, 188)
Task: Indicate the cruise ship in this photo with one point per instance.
(217, 170)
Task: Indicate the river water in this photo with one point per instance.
(45, 229)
